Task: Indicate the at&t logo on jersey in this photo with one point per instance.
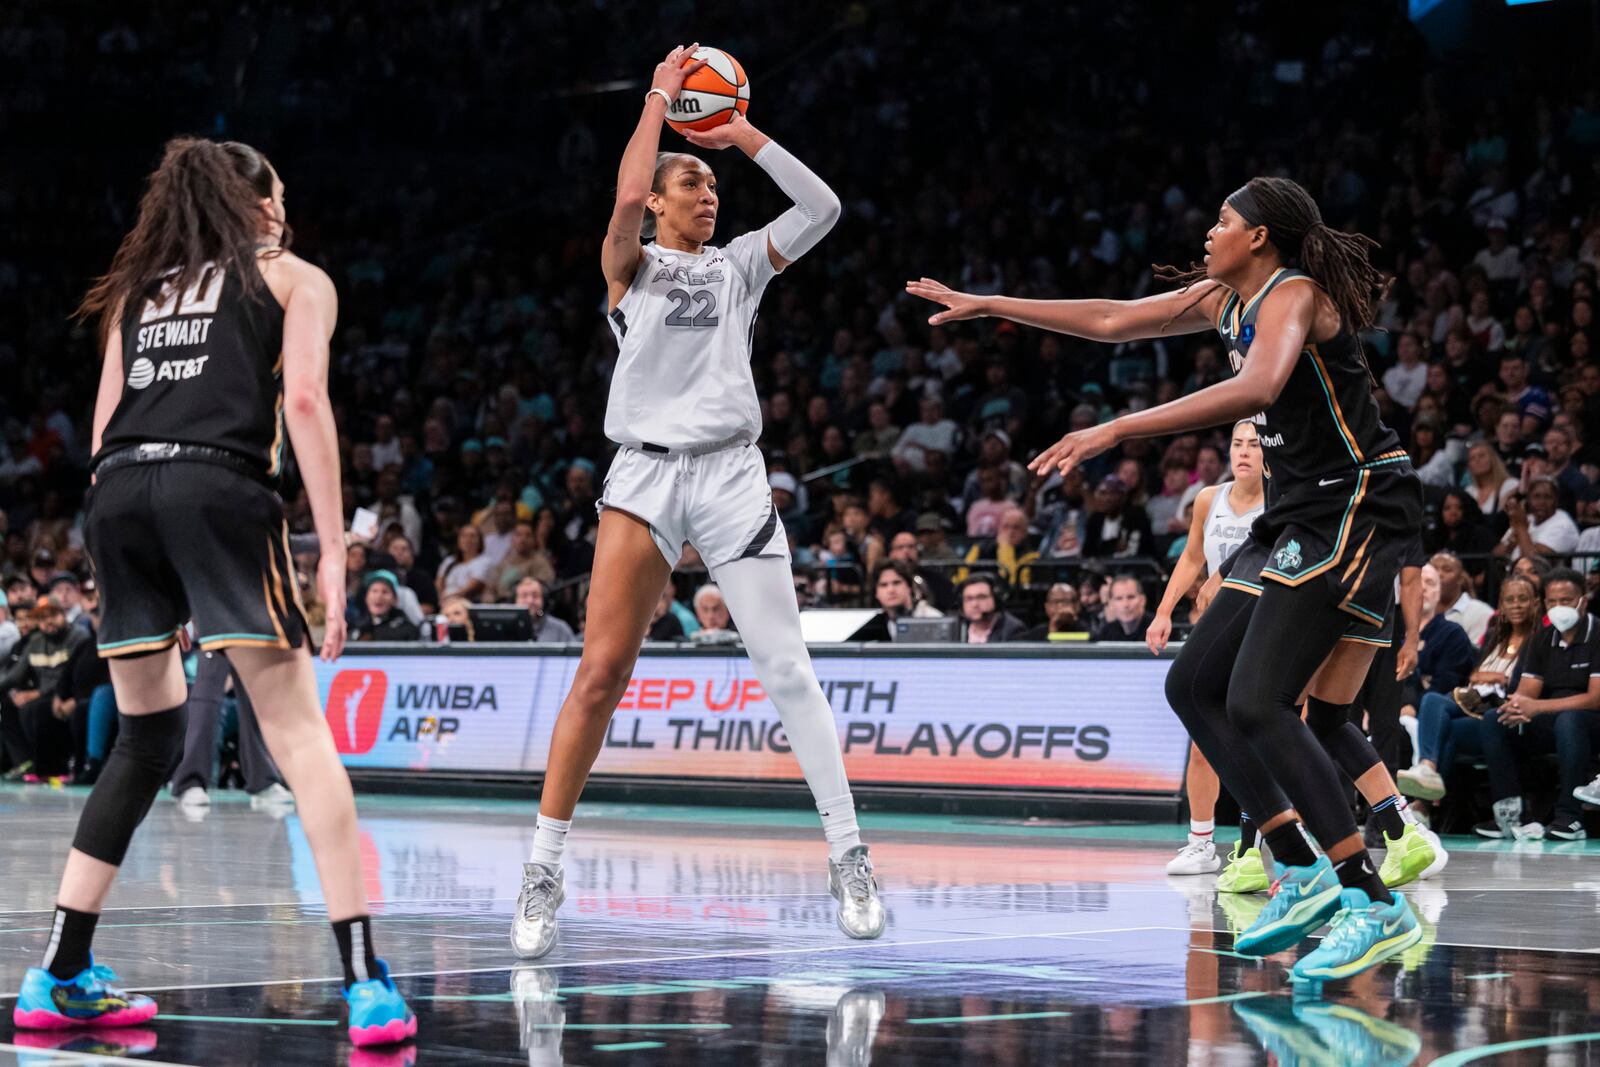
(143, 372)
(355, 710)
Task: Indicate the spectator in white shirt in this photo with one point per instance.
(934, 433)
(386, 445)
(1405, 380)
(1456, 601)
(468, 572)
(1501, 261)
(1539, 525)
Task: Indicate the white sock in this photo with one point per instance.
(839, 825)
(549, 840)
(1407, 816)
(1200, 830)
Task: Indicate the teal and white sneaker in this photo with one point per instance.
(1275, 1025)
(378, 1014)
(88, 999)
(1303, 898)
(1357, 1038)
(1362, 936)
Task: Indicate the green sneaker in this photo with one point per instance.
(1245, 873)
(1406, 857)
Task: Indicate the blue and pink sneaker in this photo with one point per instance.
(378, 1014)
(89, 999)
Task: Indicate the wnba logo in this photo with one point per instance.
(355, 710)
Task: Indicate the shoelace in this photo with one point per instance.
(536, 895)
(857, 879)
(1346, 927)
(1193, 848)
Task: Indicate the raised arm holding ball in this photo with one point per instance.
(684, 412)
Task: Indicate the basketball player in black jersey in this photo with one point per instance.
(216, 356)
(1289, 295)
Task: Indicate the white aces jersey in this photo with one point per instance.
(1226, 530)
(683, 327)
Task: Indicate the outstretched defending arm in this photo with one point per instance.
(816, 207)
(1191, 310)
(1283, 325)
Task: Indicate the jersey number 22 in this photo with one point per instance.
(681, 302)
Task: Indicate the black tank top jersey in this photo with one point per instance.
(1326, 419)
(204, 368)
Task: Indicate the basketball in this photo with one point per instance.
(712, 94)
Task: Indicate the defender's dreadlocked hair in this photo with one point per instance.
(1339, 262)
(203, 205)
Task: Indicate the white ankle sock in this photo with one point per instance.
(839, 825)
(1201, 829)
(549, 840)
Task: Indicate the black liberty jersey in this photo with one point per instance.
(1326, 419)
(204, 367)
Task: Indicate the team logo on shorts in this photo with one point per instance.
(355, 710)
(1288, 557)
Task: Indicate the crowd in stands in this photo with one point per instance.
(459, 204)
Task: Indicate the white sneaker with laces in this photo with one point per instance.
(1198, 856)
(194, 797)
(1589, 794)
(533, 927)
(855, 887)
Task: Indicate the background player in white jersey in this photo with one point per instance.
(683, 407)
(1221, 523)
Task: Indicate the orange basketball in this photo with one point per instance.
(712, 94)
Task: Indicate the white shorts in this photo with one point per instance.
(718, 502)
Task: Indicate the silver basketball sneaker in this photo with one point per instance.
(533, 927)
(852, 884)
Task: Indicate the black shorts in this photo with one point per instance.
(1243, 569)
(179, 539)
(1349, 533)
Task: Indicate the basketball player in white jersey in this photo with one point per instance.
(683, 409)
(1222, 517)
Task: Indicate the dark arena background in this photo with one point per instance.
(1019, 773)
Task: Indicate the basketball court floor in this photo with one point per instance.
(705, 936)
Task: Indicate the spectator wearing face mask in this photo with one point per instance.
(1555, 709)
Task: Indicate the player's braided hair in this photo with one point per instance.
(202, 205)
(666, 163)
(1339, 262)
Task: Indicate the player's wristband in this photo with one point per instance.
(657, 91)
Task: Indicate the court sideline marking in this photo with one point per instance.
(743, 954)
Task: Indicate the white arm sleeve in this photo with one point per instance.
(816, 207)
